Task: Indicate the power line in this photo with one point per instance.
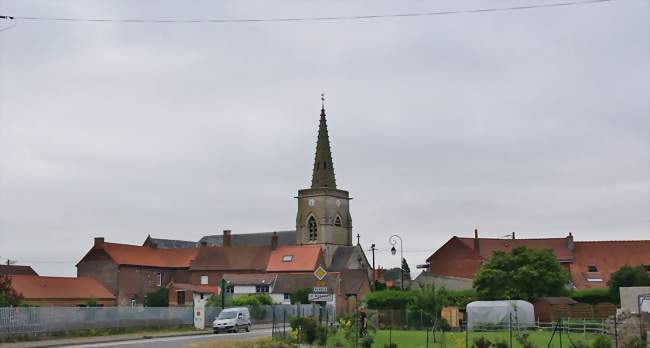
(306, 19)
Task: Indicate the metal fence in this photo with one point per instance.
(53, 319)
(19, 320)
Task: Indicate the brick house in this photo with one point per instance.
(590, 264)
(61, 291)
(130, 271)
(16, 270)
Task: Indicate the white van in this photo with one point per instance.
(232, 320)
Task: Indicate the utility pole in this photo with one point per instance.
(372, 248)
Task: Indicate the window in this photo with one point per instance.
(313, 229)
(261, 288)
(180, 297)
(201, 295)
(158, 279)
(647, 268)
(287, 258)
(337, 222)
(287, 297)
(204, 280)
(230, 289)
(592, 268)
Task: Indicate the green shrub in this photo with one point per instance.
(601, 341)
(301, 296)
(500, 344)
(252, 300)
(579, 344)
(592, 296)
(633, 342)
(338, 340)
(390, 345)
(157, 298)
(460, 298)
(525, 342)
(321, 335)
(366, 342)
(307, 327)
(388, 299)
(481, 342)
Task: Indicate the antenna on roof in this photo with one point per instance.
(10, 262)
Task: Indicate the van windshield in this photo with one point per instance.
(227, 315)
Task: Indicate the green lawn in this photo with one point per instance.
(418, 339)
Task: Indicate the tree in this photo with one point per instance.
(388, 299)
(430, 300)
(405, 267)
(627, 276)
(523, 274)
(8, 295)
(157, 298)
(301, 296)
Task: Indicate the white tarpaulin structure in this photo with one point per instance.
(485, 313)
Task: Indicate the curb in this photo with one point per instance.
(94, 340)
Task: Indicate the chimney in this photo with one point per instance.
(274, 241)
(99, 242)
(227, 238)
(477, 247)
(513, 235)
(569, 242)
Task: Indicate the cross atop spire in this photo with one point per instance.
(323, 175)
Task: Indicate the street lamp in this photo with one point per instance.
(393, 240)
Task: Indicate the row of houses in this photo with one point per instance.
(589, 263)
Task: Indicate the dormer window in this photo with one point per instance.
(592, 268)
(287, 258)
(337, 221)
(313, 229)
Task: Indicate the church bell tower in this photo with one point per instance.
(323, 210)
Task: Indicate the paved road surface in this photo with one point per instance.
(179, 342)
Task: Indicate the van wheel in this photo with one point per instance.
(236, 328)
(248, 328)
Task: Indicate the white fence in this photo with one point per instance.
(53, 319)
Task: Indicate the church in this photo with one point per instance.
(274, 262)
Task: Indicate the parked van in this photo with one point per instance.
(232, 320)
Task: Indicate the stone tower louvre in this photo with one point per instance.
(323, 210)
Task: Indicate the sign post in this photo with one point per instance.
(223, 293)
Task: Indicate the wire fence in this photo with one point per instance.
(389, 328)
(27, 320)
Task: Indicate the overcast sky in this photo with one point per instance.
(533, 121)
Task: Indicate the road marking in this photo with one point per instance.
(224, 336)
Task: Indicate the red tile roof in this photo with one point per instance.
(37, 287)
(136, 255)
(231, 258)
(488, 245)
(608, 257)
(304, 258)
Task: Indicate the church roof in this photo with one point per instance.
(169, 243)
(323, 175)
(251, 239)
(341, 258)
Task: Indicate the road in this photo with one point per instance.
(179, 342)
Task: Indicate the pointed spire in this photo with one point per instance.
(323, 175)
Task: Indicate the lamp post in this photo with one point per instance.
(393, 240)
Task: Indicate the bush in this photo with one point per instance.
(366, 342)
(388, 299)
(301, 296)
(307, 327)
(481, 342)
(390, 345)
(525, 341)
(601, 341)
(500, 344)
(321, 335)
(337, 340)
(157, 298)
(633, 342)
(252, 300)
(460, 298)
(627, 276)
(592, 296)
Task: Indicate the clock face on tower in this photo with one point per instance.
(311, 202)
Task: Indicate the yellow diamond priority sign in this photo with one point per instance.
(320, 273)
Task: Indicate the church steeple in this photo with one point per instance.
(323, 175)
